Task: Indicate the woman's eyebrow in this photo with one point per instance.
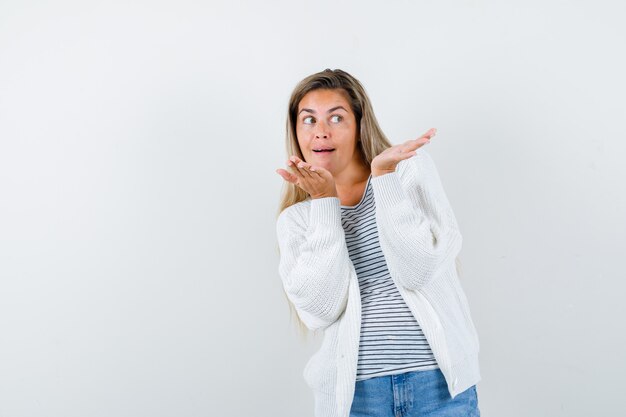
(329, 110)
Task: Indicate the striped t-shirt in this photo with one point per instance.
(391, 341)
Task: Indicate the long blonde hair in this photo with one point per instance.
(371, 140)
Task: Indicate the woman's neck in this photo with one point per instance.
(351, 184)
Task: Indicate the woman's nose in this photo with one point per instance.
(321, 131)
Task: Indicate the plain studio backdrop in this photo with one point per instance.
(138, 195)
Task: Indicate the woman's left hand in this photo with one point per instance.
(386, 161)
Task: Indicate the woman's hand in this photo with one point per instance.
(316, 181)
(387, 160)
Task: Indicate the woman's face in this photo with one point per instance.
(325, 121)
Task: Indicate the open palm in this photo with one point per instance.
(388, 159)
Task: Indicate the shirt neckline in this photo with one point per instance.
(362, 197)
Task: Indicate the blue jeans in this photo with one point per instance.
(412, 394)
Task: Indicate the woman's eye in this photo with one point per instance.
(305, 120)
(337, 116)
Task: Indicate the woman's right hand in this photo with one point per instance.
(315, 180)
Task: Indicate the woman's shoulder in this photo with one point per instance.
(417, 166)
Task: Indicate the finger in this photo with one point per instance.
(313, 170)
(310, 170)
(305, 169)
(425, 138)
(287, 176)
(295, 159)
(316, 170)
(422, 140)
(412, 145)
(301, 165)
(296, 171)
(429, 133)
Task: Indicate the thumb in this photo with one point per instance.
(287, 176)
(322, 171)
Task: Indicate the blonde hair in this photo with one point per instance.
(371, 140)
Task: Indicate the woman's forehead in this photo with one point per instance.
(324, 99)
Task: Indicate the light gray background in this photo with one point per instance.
(138, 144)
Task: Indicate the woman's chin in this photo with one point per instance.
(327, 166)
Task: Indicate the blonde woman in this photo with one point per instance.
(368, 245)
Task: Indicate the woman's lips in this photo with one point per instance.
(324, 153)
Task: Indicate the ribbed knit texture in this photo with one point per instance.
(420, 239)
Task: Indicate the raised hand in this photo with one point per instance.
(315, 180)
(388, 159)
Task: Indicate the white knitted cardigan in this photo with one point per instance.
(420, 240)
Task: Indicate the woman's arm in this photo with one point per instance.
(418, 231)
(314, 265)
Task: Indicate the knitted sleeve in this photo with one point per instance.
(314, 264)
(417, 228)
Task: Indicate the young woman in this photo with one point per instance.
(368, 243)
